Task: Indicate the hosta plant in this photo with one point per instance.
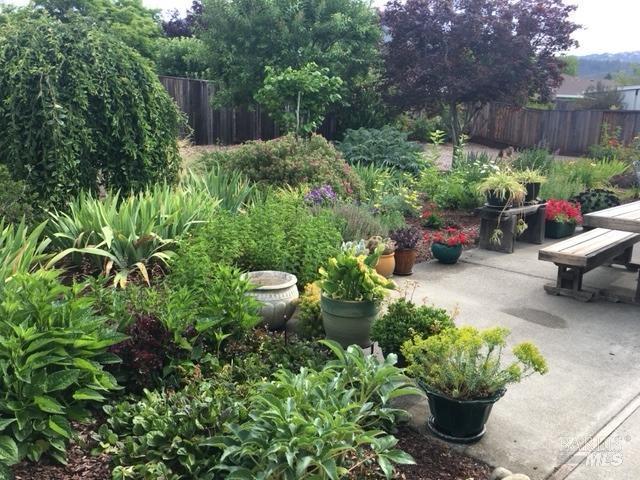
(352, 277)
(325, 424)
(52, 352)
(121, 235)
(466, 363)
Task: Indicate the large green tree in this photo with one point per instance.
(245, 36)
(129, 20)
(80, 109)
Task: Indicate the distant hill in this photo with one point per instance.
(601, 64)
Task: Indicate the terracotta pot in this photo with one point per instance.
(405, 260)
(277, 292)
(386, 264)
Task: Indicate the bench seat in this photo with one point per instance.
(582, 253)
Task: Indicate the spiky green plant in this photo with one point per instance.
(119, 235)
(234, 190)
(20, 249)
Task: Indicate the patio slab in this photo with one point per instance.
(593, 352)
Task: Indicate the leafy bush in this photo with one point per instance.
(102, 117)
(214, 427)
(357, 221)
(420, 127)
(450, 190)
(596, 199)
(16, 199)
(315, 423)
(290, 161)
(52, 352)
(534, 159)
(123, 235)
(181, 57)
(466, 363)
(168, 434)
(384, 147)
(405, 319)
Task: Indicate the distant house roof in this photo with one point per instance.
(574, 87)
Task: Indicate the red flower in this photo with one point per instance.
(449, 236)
(563, 211)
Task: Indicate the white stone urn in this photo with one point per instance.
(277, 291)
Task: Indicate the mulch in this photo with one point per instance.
(465, 221)
(435, 461)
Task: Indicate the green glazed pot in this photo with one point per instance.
(553, 229)
(445, 253)
(346, 322)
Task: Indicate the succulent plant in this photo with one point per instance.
(596, 199)
(388, 245)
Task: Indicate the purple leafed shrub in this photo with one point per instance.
(406, 238)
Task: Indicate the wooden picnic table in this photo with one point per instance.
(624, 217)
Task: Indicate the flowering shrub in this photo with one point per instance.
(563, 211)
(323, 195)
(449, 236)
(431, 218)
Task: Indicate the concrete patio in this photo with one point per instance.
(581, 420)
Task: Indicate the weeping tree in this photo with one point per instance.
(457, 55)
(80, 109)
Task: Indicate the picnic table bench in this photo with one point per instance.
(582, 253)
(506, 220)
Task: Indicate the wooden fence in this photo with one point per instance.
(224, 125)
(569, 132)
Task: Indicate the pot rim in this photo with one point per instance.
(346, 301)
(492, 399)
(290, 281)
(406, 250)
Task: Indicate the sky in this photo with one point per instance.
(608, 25)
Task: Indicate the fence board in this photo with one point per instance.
(224, 125)
(569, 132)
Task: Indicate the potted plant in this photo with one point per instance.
(403, 320)
(531, 179)
(406, 240)
(561, 218)
(387, 262)
(351, 294)
(462, 372)
(446, 244)
(502, 189)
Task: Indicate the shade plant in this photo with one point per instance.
(53, 349)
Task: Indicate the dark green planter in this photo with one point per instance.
(445, 253)
(553, 229)
(459, 421)
(346, 322)
(495, 201)
(533, 190)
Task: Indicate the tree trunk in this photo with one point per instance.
(455, 123)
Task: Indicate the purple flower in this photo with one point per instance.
(321, 196)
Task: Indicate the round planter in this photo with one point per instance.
(348, 322)
(386, 264)
(277, 291)
(533, 190)
(405, 260)
(553, 229)
(445, 253)
(459, 421)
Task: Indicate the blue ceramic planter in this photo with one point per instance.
(445, 253)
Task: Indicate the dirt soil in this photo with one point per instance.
(435, 461)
